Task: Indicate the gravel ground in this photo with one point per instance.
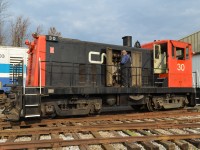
(79, 124)
(95, 147)
(188, 117)
(163, 131)
(193, 131)
(1, 115)
(1, 109)
(137, 134)
(128, 121)
(45, 137)
(85, 136)
(117, 122)
(150, 133)
(169, 119)
(158, 119)
(71, 148)
(161, 147)
(105, 134)
(93, 123)
(179, 131)
(66, 137)
(2, 140)
(119, 146)
(22, 139)
(142, 148)
(191, 147)
(137, 120)
(150, 120)
(176, 147)
(8, 128)
(122, 133)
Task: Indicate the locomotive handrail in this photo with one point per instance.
(40, 74)
(195, 78)
(87, 76)
(18, 73)
(198, 79)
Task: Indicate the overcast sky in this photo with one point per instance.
(107, 21)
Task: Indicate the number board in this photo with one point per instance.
(52, 38)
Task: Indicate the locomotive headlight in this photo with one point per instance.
(35, 35)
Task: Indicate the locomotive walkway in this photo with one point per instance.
(178, 129)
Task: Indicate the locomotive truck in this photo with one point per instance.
(68, 77)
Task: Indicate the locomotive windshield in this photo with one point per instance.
(187, 53)
(179, 53)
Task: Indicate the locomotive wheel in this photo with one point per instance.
(150, 105)
(94, 111)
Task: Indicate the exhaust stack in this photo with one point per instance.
(127, 41)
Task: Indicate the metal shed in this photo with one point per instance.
(196, 70)
(194, 39)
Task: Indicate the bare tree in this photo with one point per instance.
(3, 15)
(19, 31)
(2, 35)
(39, 29)
(53, 31)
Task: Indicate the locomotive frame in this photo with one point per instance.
(71, 77)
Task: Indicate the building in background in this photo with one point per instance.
(194, 39)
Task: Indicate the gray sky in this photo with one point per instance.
(107, 21)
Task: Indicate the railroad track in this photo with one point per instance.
(178, 129)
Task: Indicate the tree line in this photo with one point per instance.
(14, 32)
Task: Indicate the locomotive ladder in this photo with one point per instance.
(32, 98)
(32, 103)
(159, 82)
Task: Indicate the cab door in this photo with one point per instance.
(159, 58)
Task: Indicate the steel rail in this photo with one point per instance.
(151, 115)
(121, 126)
(61, 143)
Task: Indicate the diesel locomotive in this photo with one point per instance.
(66, 77)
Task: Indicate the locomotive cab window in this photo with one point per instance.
(157, 51)
(173, 51)
(180, 55)
(187, 53)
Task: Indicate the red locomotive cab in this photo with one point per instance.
(180, 64)
(172, 62)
